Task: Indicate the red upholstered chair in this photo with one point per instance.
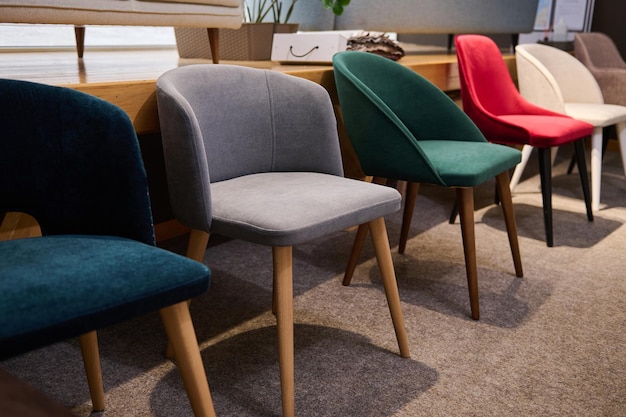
(492, 101)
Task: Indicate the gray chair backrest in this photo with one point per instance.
(223, 121)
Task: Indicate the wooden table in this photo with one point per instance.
(127, 78)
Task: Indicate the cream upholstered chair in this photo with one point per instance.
(554, 79)
(254, 155)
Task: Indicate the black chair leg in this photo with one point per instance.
(579, 148)
(545, 174)
(606, 135)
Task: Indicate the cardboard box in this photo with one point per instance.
(310, 47)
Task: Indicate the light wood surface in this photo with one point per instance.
(127, 78)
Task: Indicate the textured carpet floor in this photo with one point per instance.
(550, 344)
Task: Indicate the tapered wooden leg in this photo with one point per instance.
(79, 35)
(214, 43)
(180, 331)
(465, 198)
(387, 272)
(581, 162)
(198, 240)
(409, 206)
(506, 202)
(357, 247)
(359, 240)
(283, 289)
(91, 359)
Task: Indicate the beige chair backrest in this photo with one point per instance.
(550, 77)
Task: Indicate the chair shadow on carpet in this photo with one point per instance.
(570, 229)
(337, 373)
(505, 300)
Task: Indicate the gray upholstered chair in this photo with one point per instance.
(554, 79)
(72, 161)
(254, 155)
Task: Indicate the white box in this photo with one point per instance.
(310, 47)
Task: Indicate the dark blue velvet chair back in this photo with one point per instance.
(73, 169)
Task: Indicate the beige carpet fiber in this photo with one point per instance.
(552, 343)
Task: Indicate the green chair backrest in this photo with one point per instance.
(388, 109)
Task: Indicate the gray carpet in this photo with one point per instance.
(549, 344)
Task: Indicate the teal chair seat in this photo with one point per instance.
(467, 166)
(403, 127)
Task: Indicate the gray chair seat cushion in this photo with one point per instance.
(287, 208)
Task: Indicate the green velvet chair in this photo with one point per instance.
(72, 161)
(403, 127)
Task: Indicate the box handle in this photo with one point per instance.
(302, 56)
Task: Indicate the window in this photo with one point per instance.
(38, 36)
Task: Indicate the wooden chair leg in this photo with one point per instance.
(545, 175)
(385, 264)
(465, 199)
(409, 206)
(506, 202)
(357, 246)
(581, 162)
(198, 240)
(283, 289)
(91, 359)
(359, 240)
(79, 34)
(454, 212)
(180, 332)
(214, 43)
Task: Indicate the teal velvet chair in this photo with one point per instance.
(403, 127)
(72, 161)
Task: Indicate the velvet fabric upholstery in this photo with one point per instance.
(248, 157)
(73, 162)
(57, 287)
(492, 101)
(254, 154)
(402, 126)
(599, 54)
(53, 164)
(242, 209)
(405, 128)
